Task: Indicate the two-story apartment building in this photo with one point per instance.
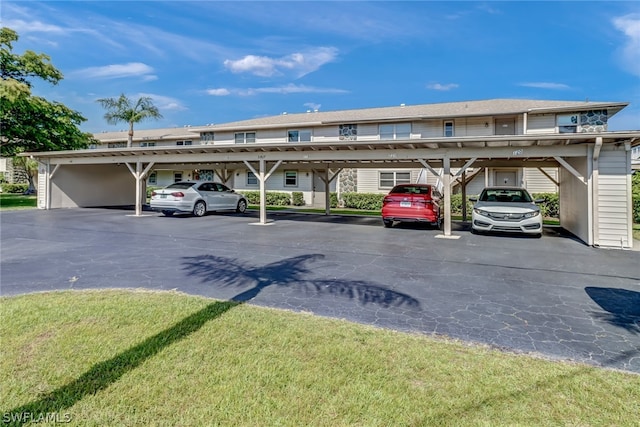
(562, 146)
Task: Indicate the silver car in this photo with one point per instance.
(197, 198)
(507, 209)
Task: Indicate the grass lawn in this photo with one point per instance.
(17, 201)
(149, 358)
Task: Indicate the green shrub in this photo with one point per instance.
(151, 189)
(14, 188)
(550, 208)
(333, 200)
(365, 201)
(635, 191)
(298, 198)
(274, 198)
(456, 204)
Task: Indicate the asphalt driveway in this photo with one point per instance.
(553, 295)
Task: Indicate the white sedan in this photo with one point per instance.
(507, 209)
(197, 198)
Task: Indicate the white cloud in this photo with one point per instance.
(442, 87)
(23, 27)
(291, 88)
(218, 92)
(312, 105)
(117, 71)
(299, 63)
(164, 102)
(546, 85)
(630, 52)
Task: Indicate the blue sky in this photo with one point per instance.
(214, 62)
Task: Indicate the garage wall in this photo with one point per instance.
(575, 209)
(614, 201)
(536, 182)
(102, 185)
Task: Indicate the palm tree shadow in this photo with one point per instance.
(105, 373)
(288, 272)
(291, 273)
(622, 307)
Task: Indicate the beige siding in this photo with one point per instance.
(574, 201)
(541, 123)
(325, 134)
(368, 179)
(536, 182)
(613, 200)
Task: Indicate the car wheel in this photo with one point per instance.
(242, 206)
(439, 223)
(167, 213)
(199, 209)
(387, 223)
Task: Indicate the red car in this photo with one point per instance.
(412, 203)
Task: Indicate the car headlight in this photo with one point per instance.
(532, 214)
(480, 212)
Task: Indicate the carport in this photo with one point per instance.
(594, 180)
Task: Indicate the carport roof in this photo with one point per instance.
(533, 146)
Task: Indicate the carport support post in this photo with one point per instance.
(446, 180)
(263, 193)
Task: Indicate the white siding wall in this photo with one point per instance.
(575, 215)
(614, 204)
(368, 179)
(536, 182)
(541, 123)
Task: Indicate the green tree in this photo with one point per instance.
(30, 168)
(27, 122)
(123, 109)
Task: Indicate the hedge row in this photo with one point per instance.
(364, 201)
(274, 198)
(14, 188)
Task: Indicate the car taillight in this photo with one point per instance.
(386, 200)
(153, 194)
(178, 194)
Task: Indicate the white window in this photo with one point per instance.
(303, 135)
(252, 179)
(290, 178)
(153, 178)
(567, 123)
(395, 131)
(177, 176)
(116, 145)
(147, 144)
(448, 129)
(184, 142)
(245, 137)
(391, 179)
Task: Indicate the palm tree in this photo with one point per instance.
(123, 109)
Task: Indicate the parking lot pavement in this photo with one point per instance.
(551, 295)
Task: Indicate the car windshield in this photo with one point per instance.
(181, 185)
(508, 195)
(410, 189)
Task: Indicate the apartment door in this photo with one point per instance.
(506, 126)
(506, 178)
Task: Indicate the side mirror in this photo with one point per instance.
(473, 199)
(538, 201)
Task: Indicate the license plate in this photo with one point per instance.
(163, 196)
(405, 204)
